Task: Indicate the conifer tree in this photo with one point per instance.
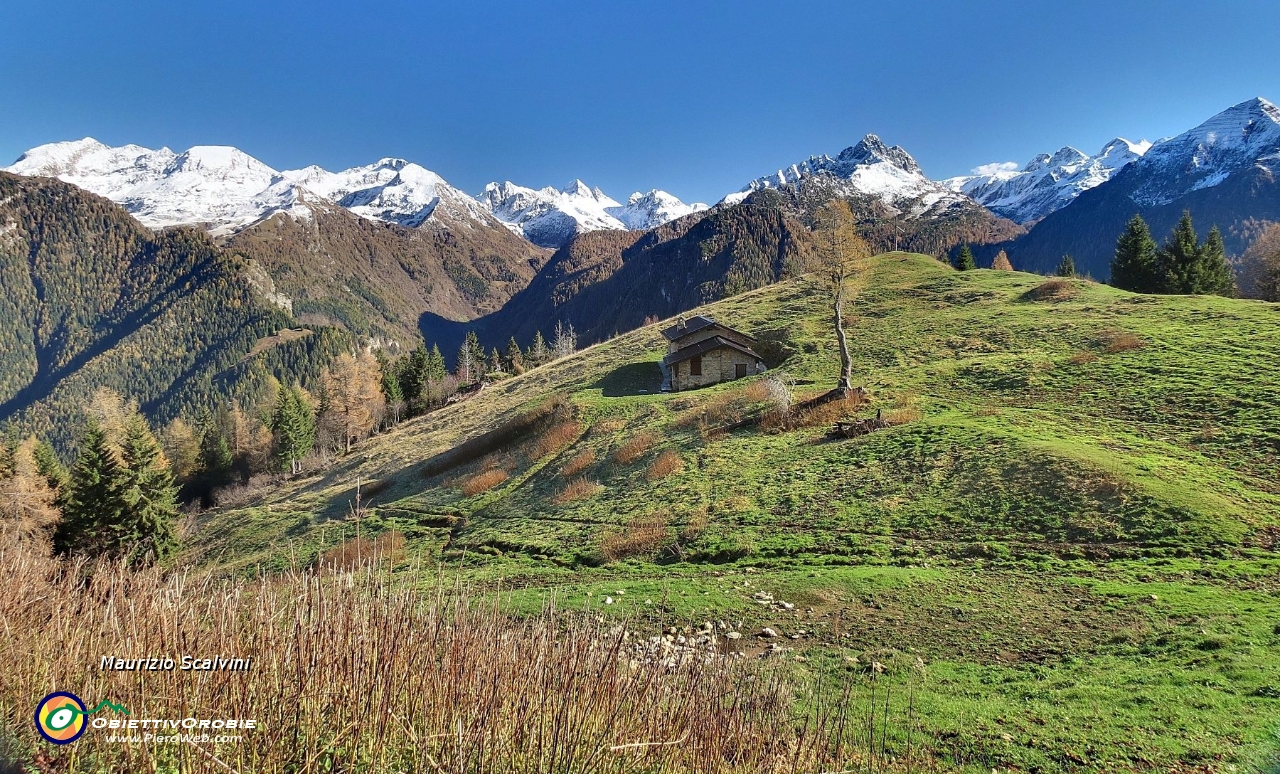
(537, 350)
(54, 472)
(94, 507)
(964, 259)
(391, 393)
(1180, 257)
(1213, 274)
(294, 428)
(436, 375)
(495, 362)
(1067, 266)
(411, 373)
(1001, 262)
(565, 342)
(145, 532)
(1136, 265)
(216, 461)
(28, 503)
(514, 358)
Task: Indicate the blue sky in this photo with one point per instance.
(693, 97)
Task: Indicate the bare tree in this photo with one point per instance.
(836, 266)
(565, 342)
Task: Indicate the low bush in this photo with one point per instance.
(636, 448)
(644, 536)
(577, 489)
(668, 462)
(1113, 341)
(556, 438)
(580, 462)
(483, 481)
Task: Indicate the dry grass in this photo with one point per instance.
(644, 536)
(1113, 341)
(668, 462)
(1082, 357)
(554, 439)
(901, 416)
(387, 547)
(360, 671)
(483, 481)
(577, 489)
(756, 392)
(815, 415)
(637, 447)
(580, 462)
(1054, 290)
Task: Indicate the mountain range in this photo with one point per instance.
(284, 268)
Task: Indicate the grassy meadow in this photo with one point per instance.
(1061, 555)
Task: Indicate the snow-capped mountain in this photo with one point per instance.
(393, 190)
(1224, 171)
(644, 211)
(1046, 183)
(1243, 137)
(550, 217)
(869, 168)
(225, 189)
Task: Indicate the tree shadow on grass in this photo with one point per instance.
(631, 379)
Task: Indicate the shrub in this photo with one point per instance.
(1113, 341)
(577, 489)
(644, 536)
(668, 462)
(1054, 290)
(556, 438)
(483, 481)
(636, 448)
(387, 547)
(580, 462)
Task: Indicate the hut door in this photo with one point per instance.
(739, 370)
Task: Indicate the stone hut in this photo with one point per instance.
(701, 351)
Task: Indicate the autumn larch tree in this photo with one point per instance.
(837, 263)
(1001, 262)
(354, 389)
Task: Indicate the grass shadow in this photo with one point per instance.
(631, 379)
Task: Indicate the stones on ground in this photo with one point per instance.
(768, 633)
(733, 635)
(608, 600)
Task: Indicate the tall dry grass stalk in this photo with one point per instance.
(361, 671)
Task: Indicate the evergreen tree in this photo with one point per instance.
(436, 375)
(94, 507)
(1067, 267)
(1213, 274)
(538, 353)
(145, 533)
(1001, 262)
(54, 472)
(294, 427)
(392, 393)
(1136, 265)
(216, 461)
(964, 259)
(1180, 257)
(515, 358)
(495, 362)
(411, 373)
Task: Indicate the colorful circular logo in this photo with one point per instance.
(60, 717)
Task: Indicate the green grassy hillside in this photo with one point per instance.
(1092, 422)
(1071, 525)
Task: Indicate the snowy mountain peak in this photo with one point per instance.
(1238, 138)
(871, 149)
(550, 217)
(226, 189)
(869, 168)
(1047, 182)
(648, 210)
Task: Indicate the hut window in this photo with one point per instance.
(695, 365)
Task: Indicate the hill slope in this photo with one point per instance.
(1094, 422)
(90, 298)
